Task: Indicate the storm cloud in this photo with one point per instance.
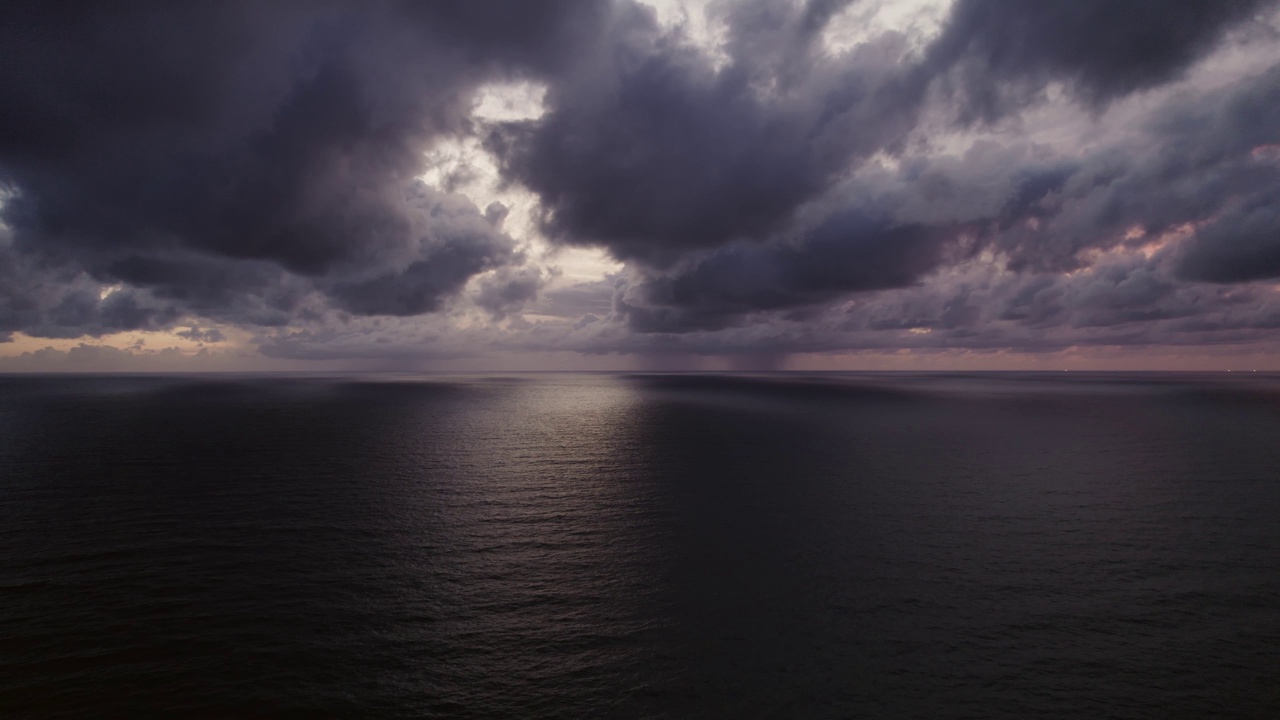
(229, 158)
(778, 176)
(1002, 53)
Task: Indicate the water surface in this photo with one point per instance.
(877, 545)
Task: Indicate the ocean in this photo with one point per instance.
(977, 545)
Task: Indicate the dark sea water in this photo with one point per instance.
(595, 546)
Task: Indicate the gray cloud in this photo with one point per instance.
(254, 165)
(1002, 52)
(509, 290)
(209, 335)
(1243, 243)
(248, 162)
(1198, 163)
(709, 178)
(651, 151)
(845, 253)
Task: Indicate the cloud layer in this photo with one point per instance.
(1024, 176)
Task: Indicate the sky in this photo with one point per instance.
(640, 185)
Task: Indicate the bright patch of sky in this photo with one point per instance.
(919, 20)
(5, 194)
(462, 165)
(505, 102)
(700, 21)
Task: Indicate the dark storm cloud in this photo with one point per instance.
(1130, 301)
(1205, 170)
(1203, 167)
(206, 152)
(845, 253)
(58, 303)
(254, 163)
(652, 151)
(1003, 51)
(887, 229)
(1241, 244)
(1123, 300)
(1240, 238)
(701, 174)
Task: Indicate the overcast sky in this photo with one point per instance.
(581, 184)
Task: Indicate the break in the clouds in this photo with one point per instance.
(753, 178)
